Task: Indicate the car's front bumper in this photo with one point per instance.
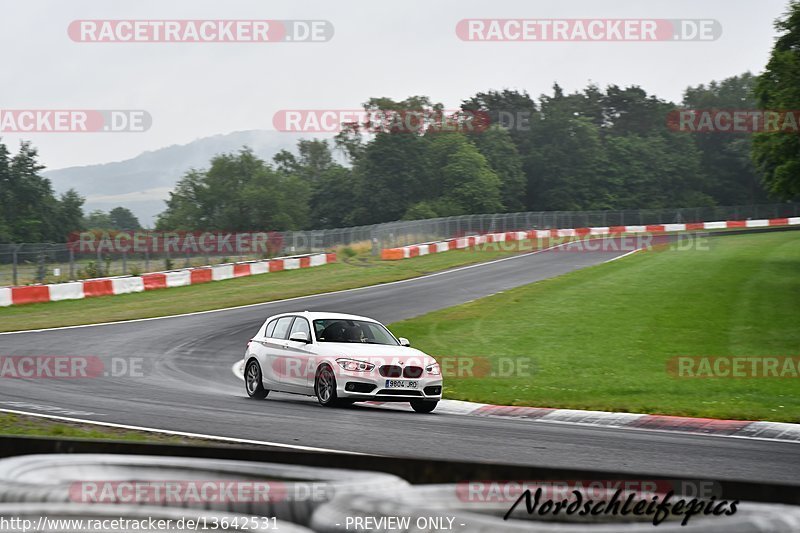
(368, 387)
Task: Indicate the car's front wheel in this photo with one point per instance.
(325, 387)
(423, 406)
(252, 381)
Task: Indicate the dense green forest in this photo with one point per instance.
(593, 149)
(31, 212)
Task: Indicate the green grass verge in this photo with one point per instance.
(19, 425)
(356, 272)
(600, 338)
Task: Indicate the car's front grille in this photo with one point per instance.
(396, 371)
(391, 371)
(412, 372)
(398, 392)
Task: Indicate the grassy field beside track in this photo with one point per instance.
(23, 425)
(358, 271)
(600, 338)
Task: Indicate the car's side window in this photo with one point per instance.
(281, 330)
(319, 327)
(270, 328)
(301, 326)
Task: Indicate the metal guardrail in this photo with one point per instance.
(296, 491)
(403, 232)
(414, 470)
(25, 263)
(58, 485)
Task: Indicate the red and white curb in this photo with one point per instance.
(89, 288)
(703, 426)
(749, 429)
(415, 250)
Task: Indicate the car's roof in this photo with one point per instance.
(316, 315)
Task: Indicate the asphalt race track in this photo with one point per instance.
(188, 386)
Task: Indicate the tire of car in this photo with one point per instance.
(424, 406)
(58, 479)
(325, 387)
(252, 381)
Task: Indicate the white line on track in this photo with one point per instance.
(623, 255)
(238, 369)
(426, 276)
(182, 433)
(462, 408)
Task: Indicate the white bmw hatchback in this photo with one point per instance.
(340, 359)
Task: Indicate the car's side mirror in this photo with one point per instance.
(403, 341)
(300, 336)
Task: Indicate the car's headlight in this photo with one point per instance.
(434, 369)
(353, 365)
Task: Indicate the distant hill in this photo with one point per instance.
(143, 183)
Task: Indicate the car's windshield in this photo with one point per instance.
(347, 330)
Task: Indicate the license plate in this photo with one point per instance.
(400, 384)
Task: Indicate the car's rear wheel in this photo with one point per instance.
(423, 406)
(252, 381)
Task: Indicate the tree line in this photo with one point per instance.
(30, 211)
(591, 149)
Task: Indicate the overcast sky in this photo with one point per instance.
(389, 48)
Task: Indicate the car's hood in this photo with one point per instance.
(375, 353)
